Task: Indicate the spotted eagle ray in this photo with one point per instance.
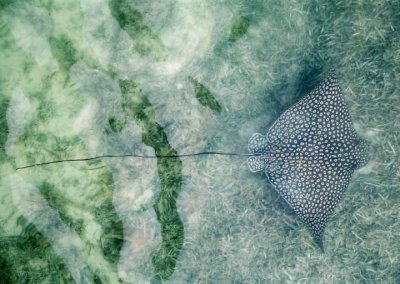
(309, 154)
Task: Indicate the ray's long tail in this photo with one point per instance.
(138, 156)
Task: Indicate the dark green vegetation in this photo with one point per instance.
(112, 238)
(25, 249)
(45, 147)
(204, 95)
(239, 28)
(116, 125)
(66, 54)
(136, 105)
(64, 51)
(4, 102)
(147, 43)
(56, 201)
(110, 243)
(5, 3)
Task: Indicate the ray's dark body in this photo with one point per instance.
(310, 153)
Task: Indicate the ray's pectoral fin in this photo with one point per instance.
(312, 190)
(361, 153)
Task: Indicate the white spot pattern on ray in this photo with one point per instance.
(310, 153)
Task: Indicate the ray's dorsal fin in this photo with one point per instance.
(323, 111)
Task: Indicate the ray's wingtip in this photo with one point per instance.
(334, 65)
(332, 72)
(320, 244)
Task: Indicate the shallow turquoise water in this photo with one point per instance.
(87, 78)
